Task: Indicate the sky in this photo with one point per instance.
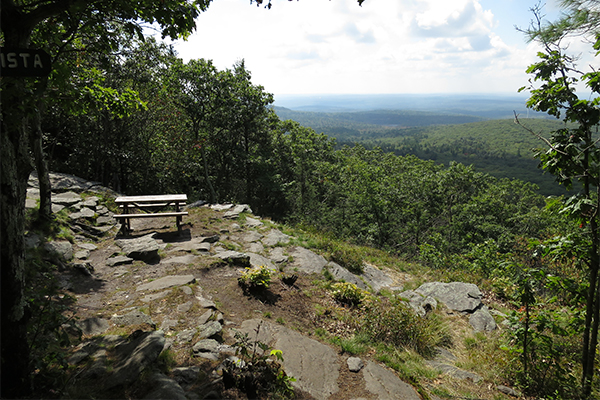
(385, 46)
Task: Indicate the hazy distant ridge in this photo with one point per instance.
(486, 106)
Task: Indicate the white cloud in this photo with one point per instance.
(385, 46)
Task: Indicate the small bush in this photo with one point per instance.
(392, 322)
(348, 293)
(256, 278)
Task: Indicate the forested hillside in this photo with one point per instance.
(499, 147)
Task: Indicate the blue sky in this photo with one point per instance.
(385, 46)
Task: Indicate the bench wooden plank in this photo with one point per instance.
(152, 215)
(153, 198)
(150, 205)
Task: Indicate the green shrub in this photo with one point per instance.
(256, 278)
(393, 322)
(348, 293)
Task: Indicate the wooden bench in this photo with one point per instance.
(151, 207)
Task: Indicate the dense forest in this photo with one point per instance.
(132, 115)
(498, 147)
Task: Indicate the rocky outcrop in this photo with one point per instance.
(143, 248)
(457, 296)
(109, 363)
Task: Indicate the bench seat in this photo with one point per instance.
(152, 215)
(150, 205)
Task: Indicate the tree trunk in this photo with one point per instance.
(41, 166)
(590, 339)
(15, 163)
(213, 195)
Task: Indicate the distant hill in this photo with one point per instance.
(361, 120)
(491, 106)
(498, 147)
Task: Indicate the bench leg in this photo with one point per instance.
(125, 227)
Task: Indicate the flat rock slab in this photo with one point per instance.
(307, 261)
(66, 198)
(234, 258)
(61, 182)
(253, 222)
(455, 372)
(134, 317)
(144, 248)
(196, 244)
(188, 259)
(342, 274)
(165, 388)
(251, 236)
(166, 282)
(256, 260)
(118, 260)
(376, 278)
(457, 296)
(277, 255)
(385, 384)
(314, 365)
(221, 207)
(255, 247)
(87, 246)
(275, 237)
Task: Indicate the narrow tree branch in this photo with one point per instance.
(537, 135)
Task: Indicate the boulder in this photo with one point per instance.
(234, 258)
(134, 317)
(457, 296)
(342, 274)
(135, 356)
(376, 278)
(275, 237)
(164, 388)
(143, 248)
(237, 210)
(306, 260)
(118, 260)
(60, 249)
(355, 364)
(209, 329)
(253, 222)
(420, 304)
(482, 321)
